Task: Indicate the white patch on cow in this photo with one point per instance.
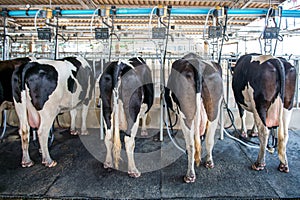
(210, 135)
(198, 125)
(32, 113)
(210, 64)
(189, 134)
(122, 116)
(126, 62)
(261, 58)
(143, 110)
(139, 60)
(273, 117)
(130, 145)
(248, 98)
(116, 125)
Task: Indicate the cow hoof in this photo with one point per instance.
(51, 164)
(84, 133)
(258, 166)
(144, 133)
(209, 165)
(74, 132)
(134, 174)
(189, 179)
(283, 168)
(244, 135)
(107, 165)
(253, 134)
(27, 164)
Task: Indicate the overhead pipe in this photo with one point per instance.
(147, 11)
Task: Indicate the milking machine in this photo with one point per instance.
(104, 33)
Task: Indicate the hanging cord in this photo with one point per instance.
(167, 38)
(206, 20)
(112, 31)
(278, 37)
(150, 21)
(224, 36)
(92, 20)
(231, 117)
(35, 18)
(170, 133)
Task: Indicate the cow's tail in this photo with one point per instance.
(116, 135)
(116, 122)
(281, 72)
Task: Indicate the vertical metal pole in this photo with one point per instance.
(101, 108)
(56, 40)
(162, 83)
(4, 41)
(296, 64)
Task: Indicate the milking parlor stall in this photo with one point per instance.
(140, 99)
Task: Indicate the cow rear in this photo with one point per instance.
(195, 90)
(265, 86)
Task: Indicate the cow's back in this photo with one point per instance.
(63, 83)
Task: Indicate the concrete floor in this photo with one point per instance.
(80, 174)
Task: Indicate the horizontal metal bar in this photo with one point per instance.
(147, 11)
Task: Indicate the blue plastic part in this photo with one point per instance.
(147, 11)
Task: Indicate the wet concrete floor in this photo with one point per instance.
(80, 173)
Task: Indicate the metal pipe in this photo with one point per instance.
(147, 11)
(4, 46)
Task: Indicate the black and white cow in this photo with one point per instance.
(265, 86)
(127, 92)
(7, 68)
(44, 88)
(196, 87)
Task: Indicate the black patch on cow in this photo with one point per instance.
(144, 74)
(267, 80)
(82, 74)
(106, 88)
(1, 94)
(41, 80)
(7, 68)
(72, 85)
(135, 83)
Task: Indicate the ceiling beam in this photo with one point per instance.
(83, 4)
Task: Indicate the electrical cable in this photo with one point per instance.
(206, 20)
(35, 18)
(150, 20)
(223, 36)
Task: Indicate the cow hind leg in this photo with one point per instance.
(197, 150)
(189, 135)
(144, 108)
(263, 140)
(85, 109)
(210, 141)
(43, 139)
(130, 145)
(282, 142)
(73, 130)
(109, 145)
(243, 122)
(24, 133)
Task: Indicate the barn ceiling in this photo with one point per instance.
(188, 24)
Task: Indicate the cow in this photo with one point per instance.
(44, 88)
(195, 91)
(127, 93)
(6, 70)
(265, 86)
